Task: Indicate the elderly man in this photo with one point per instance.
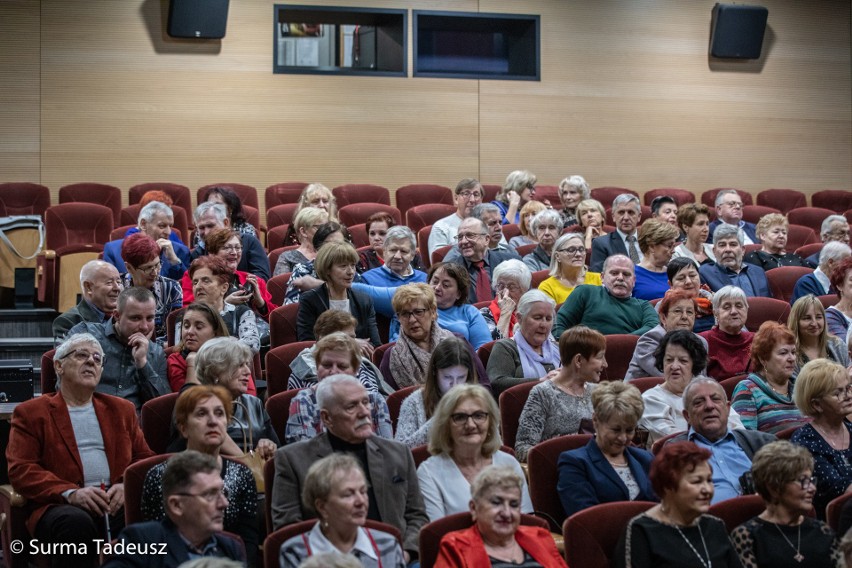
(473, 253)
(210, 216)
(705, 407)
(834, 228)
(664, 209)
(610, 308)
(135, 367)
(155, 220)
(490, 214)
(818, 282)
(100, 285)
(729, 268)
(68, 451)
(468, 195)
(391, 476)
(729, 211)
(195, 503)
(626, 212)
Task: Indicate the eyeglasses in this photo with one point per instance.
(153, 269)
(210, 496)
(232, 248)
(806, 481)
(573, 250)
(733, 204)
(460, 418)
(470, 195)
(81, 356)
(845, 392)
(511, 287)
(531, 187)
(469, 236)
(418, 313)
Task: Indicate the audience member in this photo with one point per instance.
(839, 316)
(314, 195)
(657, 240)
(730, 269)
(518, 188)
(450, 283)
(468, 194)
(568, 268)
(728, 342)
(572, 190)
(694, 220)
(100, 285)
(664, 210)
(772, 231)
(527, 236)
(590, 221)
(305, 225)
(834, 228)
(489, 214)
(729, 211)
(682, 273)
(813, 340)
(304, 276)
(512, 279)
(819, 282)
(626, 212)
(476, 258)
(234, 206)
(199, 324)
(546, 226)
(210, 216)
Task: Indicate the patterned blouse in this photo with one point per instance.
(832, 468)
(304, 421)
(761, 543)
(761, 408)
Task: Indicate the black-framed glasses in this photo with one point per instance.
(81, 356)
(470, 195)
(418, 313)
(210, 496)
(807, 481)
(460, 418)
(573, 250)
(469, 236)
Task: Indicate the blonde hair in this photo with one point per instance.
(818, 378)
(331, 254)
(441, 436)
(408, 294)
(313, 189)
(797, 312)
(616, 399)
(654, 232)
(516, 181)
(502, 476)
(768, 221)
(776, 464)
(533, 207)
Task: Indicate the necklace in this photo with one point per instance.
(798, 557)
(708, 563)
(828, 438)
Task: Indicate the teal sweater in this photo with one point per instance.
(594, 307)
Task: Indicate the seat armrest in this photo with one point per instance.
(15, 499)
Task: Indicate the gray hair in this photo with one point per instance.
(480, 210)
(551, 215)
(729, 293)
(721, 195)
(400, 233)
(624, 199)
(71, 343)
(320, 479)
(517, 181)
(514, 269)
(825, 229)
(531, 297)
(560, 242)
(220, 356)
(502, 476)
(701, 380)
(725, 231)
(154, 208)
(833, 250)
(218, 209)
(480, 221)
(91, 269)
(576, 182)
(326, 395)
(609, 260)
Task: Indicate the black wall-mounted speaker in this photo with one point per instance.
(737, 31)
(202, 19)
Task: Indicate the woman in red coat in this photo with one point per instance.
(496, 536)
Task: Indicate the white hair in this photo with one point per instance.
(218, 209)
(71, 343)
(729, 293)
(721, 195)
(514, 269)
(326, 395)
(577, 182)
(825, 229)
(153, 208)
(551, 215)
(833, 250)
(725, 231)
(400, 233)
(531, 297)
(624, 199)
(91, 269)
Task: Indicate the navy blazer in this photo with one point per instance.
(112, 255)
(605, 246)
(715, 276)
(749, 229)
(586, 478)
(808, 284)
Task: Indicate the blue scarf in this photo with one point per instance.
(532, 362)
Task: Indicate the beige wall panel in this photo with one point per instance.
(19, 91)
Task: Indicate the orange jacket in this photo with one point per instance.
(465, 549)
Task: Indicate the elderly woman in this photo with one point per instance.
(531, 353)
(518, 188)
(451, 284)
(676, 311)
(547, 226)
(839, 316)
(202, 415)
(497, 537)
(451, 364)
(772, 232)
(314, 195)
(67, 453)
(336, 354)
(823, 393)
(556, 407)
(511, 279)
(764, 400)
(572, 190)
(694, 220)
(682, 356)
(590, 218)
(465, 440)
(305, 225)
(199, 324)
(527, 236)
(335, 265)
(682, 273)
(656, 241)
(608, 468)
(678, 532)
(568, 268)
(813, 341)
(728, 342)
(335, 487)
(211, 279)
(141, 255)
(785, 532)
(407, 360)
(304, 276)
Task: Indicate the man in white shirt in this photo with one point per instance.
(467, 196)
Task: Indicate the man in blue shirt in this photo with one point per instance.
(706, 409)
(729, 268)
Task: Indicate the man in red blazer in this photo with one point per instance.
(68, 451)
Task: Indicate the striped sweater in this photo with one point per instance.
(761, 408)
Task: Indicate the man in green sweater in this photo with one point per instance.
(610, 308)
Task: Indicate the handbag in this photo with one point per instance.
(251, 458)
(14, 222)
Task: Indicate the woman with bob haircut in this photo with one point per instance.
(824, 394)
(335, 266)
(764, 399)
(527, 236)
(497, 537)
(568, 268)
(199, 323)
(335, 487)
(451, 284)
(772, 232)
(694, 220)
(608, 468)
(511, 280)
(590, 218)
(813, 340)
(657, 241)
(305, 225)
(572, 190)
(728, 343)
(785, 534)
(682, 274)
(464, 440)
(518, 188)
(555, 407)
(678, 532)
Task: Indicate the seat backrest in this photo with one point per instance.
(766, 309)
(423, 245)
(708, 198)
(246, 193)
(511, 231)
(281, 214)
(408, 196)
(432, 533)
(252, 215)
(282, 325)
(538, 277)
(524, 250)
(22, 198)
(439, 253)
(730, 384)
(753, 213)
(542, 461)
(359, 235)
(809, 216)
(548, 193)
(171, 324)
(278, 408)
(379, 353)
(783, 199)
(607, 194)
(490, 191)
(278, 361)
(512, 401)
(484, 352)
(420, 216)
(681, 196)
(47, 374)
(180, 194)
(799, 235)
(77, 224)
(277, 285)
(810, 249)
(358, 213)
(647, 383)
(838, 200)
(591, 535)
(156, 421)
(782, 280)
(828, 300)
(833, 510)
(134, 479)
(738, 510)
(277, 237)
(96, 193)
(658, 445)
(619, 352)
(395, 402)
(350, 193)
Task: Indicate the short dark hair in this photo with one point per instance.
(457, 273)
(580, 340)
(232, 202)
(448, 353)
(675, 459)
(677, 264)
(139, 294)
(659, 201)
(325, 230)
(690, 342)
(181, 467)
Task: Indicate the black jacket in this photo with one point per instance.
(314, 302)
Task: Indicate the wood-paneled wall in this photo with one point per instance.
(94, 90)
